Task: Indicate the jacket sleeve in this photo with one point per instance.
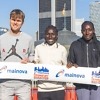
(71, 54)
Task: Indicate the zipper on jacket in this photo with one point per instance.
(87, 55)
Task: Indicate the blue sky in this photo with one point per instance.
(82, 8)
(30, 8)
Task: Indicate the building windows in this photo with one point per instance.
(45, 15)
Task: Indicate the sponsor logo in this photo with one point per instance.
(12, 70)
(41, 73)
(3, 69)
(17, 71)
(95, 77)
(74, 75)
(60, 73)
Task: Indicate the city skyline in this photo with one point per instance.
(30, 8)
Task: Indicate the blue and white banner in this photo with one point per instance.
(82, 75)
(15, 70)
(30, 71)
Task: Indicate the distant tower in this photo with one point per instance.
(50, 12)
(64, 15)
(95, 16)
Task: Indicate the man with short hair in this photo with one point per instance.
(16, 46)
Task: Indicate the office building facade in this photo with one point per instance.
(95, 16)
(50, 12)
(78, 23)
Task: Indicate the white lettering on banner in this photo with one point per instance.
(30, 71)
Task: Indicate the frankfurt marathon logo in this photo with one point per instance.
(96, 77)
(41, 73)
(4, 68)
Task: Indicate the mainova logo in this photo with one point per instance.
(60, 73)
(3, 69)
(63, 73)
(74, 75)
(19, 71)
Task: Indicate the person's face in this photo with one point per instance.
(15, 24)
(87, 32)
(51, 37)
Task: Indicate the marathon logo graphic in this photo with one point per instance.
(96, 77)
(41, 73)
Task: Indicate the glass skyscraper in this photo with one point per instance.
(95, 16)
(45, 15)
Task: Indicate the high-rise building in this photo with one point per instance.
(50, 12)
(95, 16)
(78, 23)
